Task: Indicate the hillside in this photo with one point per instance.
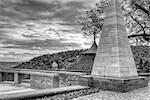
(141, 55)
(44, 62)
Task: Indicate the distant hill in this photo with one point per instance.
(8, 65)
(141, 55)
(44, 62)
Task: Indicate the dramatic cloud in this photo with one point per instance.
(29, 28)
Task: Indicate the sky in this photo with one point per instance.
(29, 28)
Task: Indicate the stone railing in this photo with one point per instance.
(43, 79)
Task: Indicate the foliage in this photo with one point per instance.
(92, 22)
(142, 57)
(44, 62)
(143, 5)
(137, 19)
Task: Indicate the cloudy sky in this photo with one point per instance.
(29, 28)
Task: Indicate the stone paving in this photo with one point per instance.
(139, 94)
(8, 88)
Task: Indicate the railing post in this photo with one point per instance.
(17, 78)
(2, 77)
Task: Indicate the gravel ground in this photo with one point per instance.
(139, 94)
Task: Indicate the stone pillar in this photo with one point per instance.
(2, 77)
(17, 78)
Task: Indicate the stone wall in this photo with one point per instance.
(44, 82)
(54, 80)
(68, 79)
(124, 85)
(114, 84)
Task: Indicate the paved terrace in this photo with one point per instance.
(14, 92)
(8, 88)
(23, 89)
(139, 94)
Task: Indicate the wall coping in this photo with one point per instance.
(30, 71)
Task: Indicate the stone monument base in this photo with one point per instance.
(114, 84)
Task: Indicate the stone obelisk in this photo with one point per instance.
(114, 67)
(114, 57)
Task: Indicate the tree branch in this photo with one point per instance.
(141, 8)
(138, 35)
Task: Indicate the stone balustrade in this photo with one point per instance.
(43, 79)
(16, 77)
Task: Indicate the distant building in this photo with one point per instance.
(54, 65)
(85, 61)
